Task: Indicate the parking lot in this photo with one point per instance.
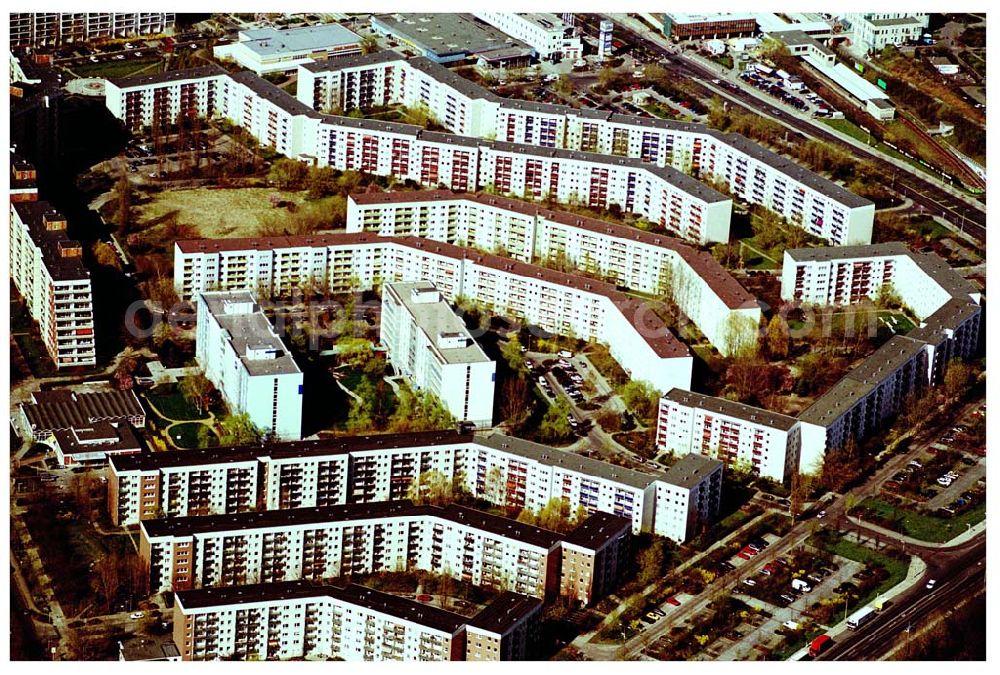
(789, 91)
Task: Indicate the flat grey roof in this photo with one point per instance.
(731, 408)
(352, 61)
(504, 613)
(198, 73)
(444, 34)
(269, 41)
(691, 470)
(435, 318)
(250, 330)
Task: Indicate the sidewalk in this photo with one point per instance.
(892, 534)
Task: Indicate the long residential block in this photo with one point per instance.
(47, 268)
(297, 619)
(650, 263)
(556, 302)
(358, 539)
(501, 470)
(30, 29)
(244, 357)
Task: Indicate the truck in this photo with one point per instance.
(819, 645)
(860, 618)
(763, 69)
(801, 585)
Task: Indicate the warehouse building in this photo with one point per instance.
(273, 50)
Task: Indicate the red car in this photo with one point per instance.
(672, 600)
(743, 555)
(749, 551)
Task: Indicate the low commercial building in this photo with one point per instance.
(148, 648)
(642, 261)
(766, 442)
(59, 410)
(47, 268)
(429, 345)
(38, 29)
(550, 37)
(295, 619)
(499, 469)
(439, 36)
(93, 444)
(554, 301)
(248, 363)
(702, 26)
(273, 50)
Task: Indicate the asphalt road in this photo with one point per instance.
(933, 199)
(959, 573)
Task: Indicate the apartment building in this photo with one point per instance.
(23, 178)
(554, 301)
(499, 469)
(249, 364)
(273, 50)
(358, 539)
(877, 30)
(295, 619)
(687, 497)
(767, 442)
(429, 345)
(160, 98)
(548, 35)
(758, 176)
(42, 29)
(650, 263)
(47, 268)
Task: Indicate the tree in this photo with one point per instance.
(797, 495)
(515, 395)
(777, 337)
(369, 44)
(124, 216)
(511, 352)
(641, 397)
(106, 256)
(197, 390)
(432, 487)
(238, 429)
(652, 560)
(419, 411)
(554, 425)
(739, 336)
(288, 174)
(958, 377)
(321, 181)
(555, 515)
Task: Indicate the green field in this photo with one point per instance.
(186, 435)
(924, 526)
(126, 68)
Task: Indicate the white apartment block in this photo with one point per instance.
(247, 361)
(162, 97)
(502, 470)
(53, 28)
(273, 50)
(550, 36)
(47, 268)
(767, 442)
(877, 30)
(947, 306)
(341, 541)
(353, 623)
(557, 302)
(816, 204)
(650, 263)
(429, 345)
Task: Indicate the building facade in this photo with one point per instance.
(550, 37)
(877, 30)
(47, 268)
(248, 363)
(42, 29)
(273, 50)
(353, 623)
(429, 345)
(501, 470)
(554, 301)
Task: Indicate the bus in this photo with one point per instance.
(860, 618)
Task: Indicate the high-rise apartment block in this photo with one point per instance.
(429, 345)
(39, 29)
(247, 361)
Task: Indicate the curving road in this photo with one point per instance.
(969, 215)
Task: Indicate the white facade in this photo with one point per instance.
(247, 361)
(51, 28)
(427, 343)
(557, 302)
(547, 34)
(47, 268)
(650, 263)
(272, 50)
(876, 30)
(767, 442)
(499, 469)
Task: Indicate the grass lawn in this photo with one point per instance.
(925, 526)
(186, 435)
(169, 401)
(846, 549)
(216, 213)
(853, 130)
(125, 68)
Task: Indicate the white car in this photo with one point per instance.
(930, 584)
(821, 514)
(136, 615)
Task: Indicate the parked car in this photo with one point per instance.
(672, 600)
